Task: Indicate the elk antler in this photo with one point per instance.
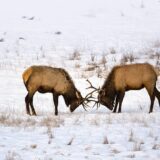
(89, 97)
(91, 86)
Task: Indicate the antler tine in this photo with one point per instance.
(84, 106)
(96, 103)
(89, 95)
(91, 86)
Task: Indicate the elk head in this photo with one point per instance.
(105, 100)
(78, 100)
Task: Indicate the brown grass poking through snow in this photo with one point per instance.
(105, 140)
(71, 141)
(131, 139)
(26, 121)
(12, 155)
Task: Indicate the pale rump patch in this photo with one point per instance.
(26, 74)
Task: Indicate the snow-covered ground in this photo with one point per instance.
(87, 38)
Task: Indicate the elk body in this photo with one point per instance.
(53, 80)
(128, 77)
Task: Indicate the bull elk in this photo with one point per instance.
(57, 81)
(128, 77)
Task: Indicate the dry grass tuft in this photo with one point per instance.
(156, 146)
(75, 55)
(50, 135)
(128, 58)
(112, 50)
(131, 156)
(131, 138)
(105, 140)
(12, 155)
(137, 146)
(33, 146)
(29, 121)
(115, 151)
(71, 141)
(77, 65)
(157, 44)
(103, 61)
(51, 122)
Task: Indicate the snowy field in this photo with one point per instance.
(87, 38)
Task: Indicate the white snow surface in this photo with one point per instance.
(76, 35)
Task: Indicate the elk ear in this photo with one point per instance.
(78, 95)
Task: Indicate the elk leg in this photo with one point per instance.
(157, 94)
(55, 99)
(151, 91)
(32, 107)
(115, 108)
(27, 104)
(121, 96)
(152, 102)
(30, 101)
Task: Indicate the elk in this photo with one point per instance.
(128, 77)
(57, 81)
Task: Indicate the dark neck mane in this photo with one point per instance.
(109, 85)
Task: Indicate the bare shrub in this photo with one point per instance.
(93, 57)
(103, 61)
(131, 58)
(50, 135)
(75, 55)
(137, 146)
(3, 118)
(127, 58)
(99, 72)
(112, 50)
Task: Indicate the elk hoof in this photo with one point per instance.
(29, 113)
(34, 114)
